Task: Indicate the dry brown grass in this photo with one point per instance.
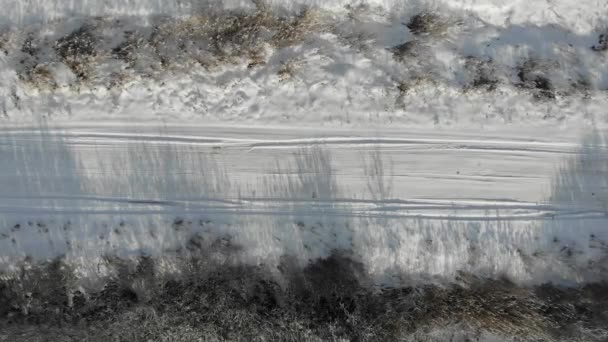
(328, 299)
(288, 70)
(428, 24)
(230, 37)
(482, 74)
(533, 76)
(78, 51)
(39, 77)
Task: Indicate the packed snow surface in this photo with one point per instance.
(427, 137)
(420, 204)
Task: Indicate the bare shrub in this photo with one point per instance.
(40, 76)
(29, 60)
(30, 45)
(581, 85)
(533, 76)
(292, 31)
(288, 70)
(239, 34)
(405, 87)
(212, 37)
(482, 74)
(407, 50)
(602, 43)
(3, 44)
(77, 50)
(127, 50)
(427, 23)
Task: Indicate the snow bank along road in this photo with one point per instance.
(503, 202)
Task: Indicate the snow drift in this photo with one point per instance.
(423, 63)
(582, 16)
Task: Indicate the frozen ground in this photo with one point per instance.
(409, 170)
(472, 64)
(420, 205)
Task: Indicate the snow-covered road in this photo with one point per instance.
(422, 202)
(432, 173)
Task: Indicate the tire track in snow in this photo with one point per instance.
(433, 168)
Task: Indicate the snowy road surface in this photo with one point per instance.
(424, 203)
(432, 173)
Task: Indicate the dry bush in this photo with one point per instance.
(428, 24)
(30, 45)
(287, 71)
(78, 50)
(532, 76)
(127, 50)
(292, 31)
(226, 37)
(210, 38)
(406, 86)
(7, 41)
(482, 74)
(407, 50)
(602, 43)
(582, 86)
(40, 77)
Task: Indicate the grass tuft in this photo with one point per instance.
(532, 76)
(77, 50)
(427, 24)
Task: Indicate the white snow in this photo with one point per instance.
(345, 74)
(460, 202)
(580, 16)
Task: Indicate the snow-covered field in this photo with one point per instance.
(472, 63)
(430, 141)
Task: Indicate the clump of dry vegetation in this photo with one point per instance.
(208, 38)
(32, 70)
(127, 50)
(77, 50)
(602, 43)
(406, 86)
(532, 76)
(328, 299)
(425, 26)
(407, 50)
(40, 77)
(288, 70)
(482, 74)
(7, 40)
(428, 24)
(216, 38)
